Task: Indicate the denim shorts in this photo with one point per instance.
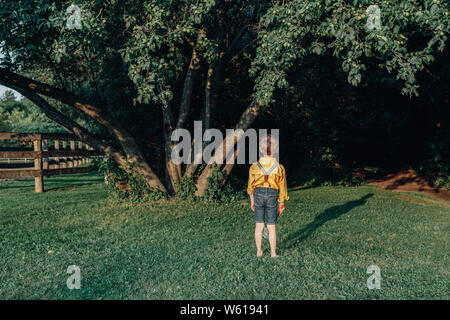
(266, 199)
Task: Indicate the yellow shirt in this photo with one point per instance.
(277, 179)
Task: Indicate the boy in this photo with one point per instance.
(267, 189)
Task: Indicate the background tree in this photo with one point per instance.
(141, 69)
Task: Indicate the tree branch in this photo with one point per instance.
(132, 150)
(188, 87)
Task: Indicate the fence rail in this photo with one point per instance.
(67, 158)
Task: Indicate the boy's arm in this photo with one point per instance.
(283, 195)
(283, 192)
(250, 188)
(250, 182)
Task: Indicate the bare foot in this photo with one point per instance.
(259, 254)
(274, 255)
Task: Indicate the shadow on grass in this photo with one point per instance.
(52, 184)
(67, 187)
(319, 220)
(24, 186)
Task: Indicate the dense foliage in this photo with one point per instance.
(23, 116)
(349, 99)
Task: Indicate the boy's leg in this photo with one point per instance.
(272, 239)
(272, 210)
(258, 238)
(259, 220)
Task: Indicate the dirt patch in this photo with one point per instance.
(424, 201)
(409, 181)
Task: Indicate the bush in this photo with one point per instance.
(437, 167)
(125, 185)
(323, 168)
(187, 189)
(231, 191)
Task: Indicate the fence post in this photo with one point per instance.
(45, 161)
(57, 149)
(84, 159)
(72, 148)
(80, 158)
(88, 159)
(39, 179)
(64, 160)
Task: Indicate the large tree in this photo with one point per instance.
(174, 59)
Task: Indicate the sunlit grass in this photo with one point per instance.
(171, 250)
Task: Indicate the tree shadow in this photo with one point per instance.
(55, 184)
(23, 186)
(64, 187)
(319, 220)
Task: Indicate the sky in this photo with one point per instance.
(3, 89)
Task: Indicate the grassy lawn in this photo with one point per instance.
(327, 238)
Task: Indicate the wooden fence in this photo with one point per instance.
(53, 154)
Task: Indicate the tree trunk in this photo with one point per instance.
(211, 95)
(173, 170)
(188, 87)
(246, 120)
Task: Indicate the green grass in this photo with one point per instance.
(170, 250)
